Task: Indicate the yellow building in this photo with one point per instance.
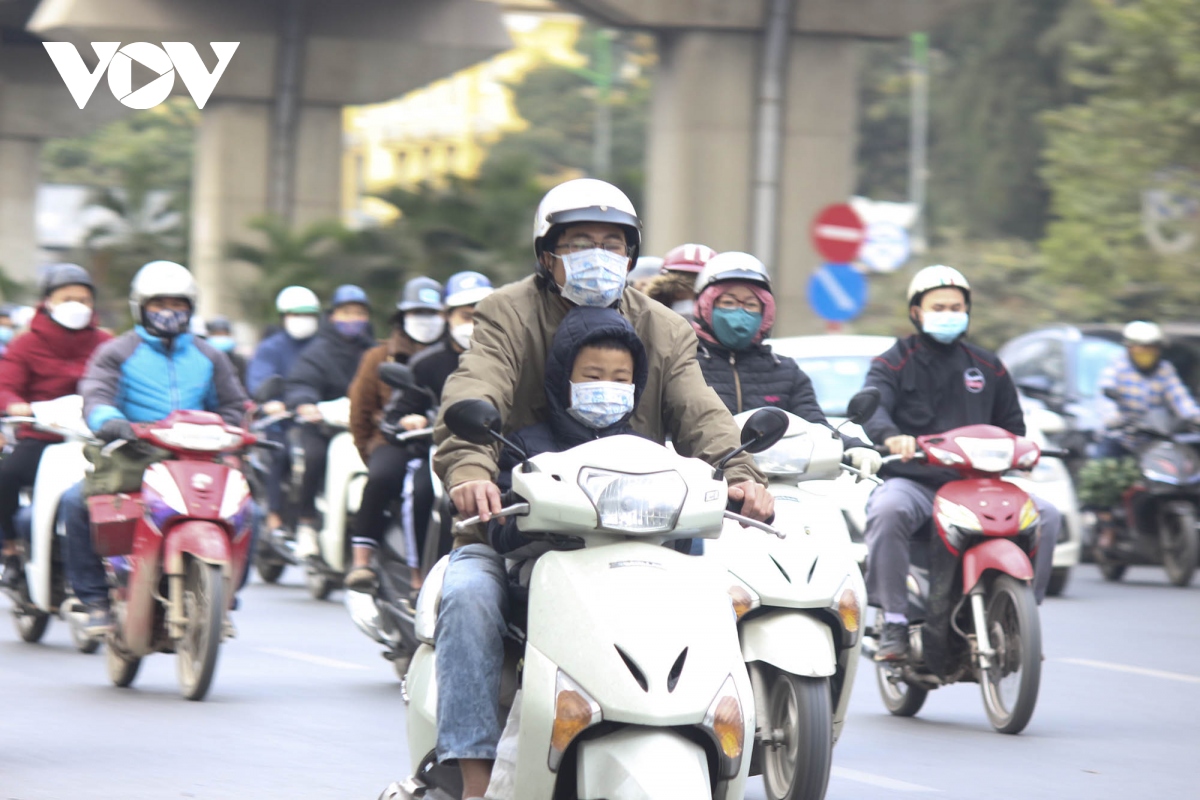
(446, 127)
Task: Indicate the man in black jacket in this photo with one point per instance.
(932, 382)
(324, 372)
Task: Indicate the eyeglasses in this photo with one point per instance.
(579, 244)
(753, 305)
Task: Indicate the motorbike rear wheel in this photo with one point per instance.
(1180, 543)
(800, 725)
(319, 584)
(902, 699)
(83, 642)
(1010, 684)
(204, 613)
(30, 624)
(269, 571)
(1111, 568)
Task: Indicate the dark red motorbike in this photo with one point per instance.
(971, 608)
(176, 551)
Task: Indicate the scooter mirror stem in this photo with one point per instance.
(526, 464)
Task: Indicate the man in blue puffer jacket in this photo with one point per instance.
(143, 376)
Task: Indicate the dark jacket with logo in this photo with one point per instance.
(561, 431)
(928, 387)
(756, 377)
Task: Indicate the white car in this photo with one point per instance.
(838, 365)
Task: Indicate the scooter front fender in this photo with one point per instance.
(1002, 555)
(61, 467)
(199, 539)
(792, 641)
(420, 693)
(344, 467)
(639, 763)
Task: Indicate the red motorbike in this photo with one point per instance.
(971, 608)
(176, 551)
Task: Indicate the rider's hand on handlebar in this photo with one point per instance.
(477, 497)
(757, 502)
(413, 422)
(116, 429)
(903, 446)
(865, 459)
(274, 407)
(309, 413)
(20, 410)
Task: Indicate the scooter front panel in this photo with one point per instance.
(647, 632)
(61, 467)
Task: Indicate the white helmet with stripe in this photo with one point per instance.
(937, 276)
(1147, 334)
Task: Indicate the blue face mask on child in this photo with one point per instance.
(601, 404)
(945, 326)
(223, 343)
(735, 327)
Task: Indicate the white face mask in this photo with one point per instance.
(424, 328)
(684, 308)
(71, 314)
(301, 327)
(461, 334)
(601, 404)
(594, 277)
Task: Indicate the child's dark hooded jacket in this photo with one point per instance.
(561, 431)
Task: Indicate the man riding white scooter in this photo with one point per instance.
(143, 376)
(932, 381)
(586, 238)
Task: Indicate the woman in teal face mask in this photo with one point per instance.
(734, 313)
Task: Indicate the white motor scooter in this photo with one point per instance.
(799, 603)
(632, 679)
(345, 478)
(45, 590)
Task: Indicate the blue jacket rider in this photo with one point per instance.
(143, 376)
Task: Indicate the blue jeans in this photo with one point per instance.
(84, 568)
(471, 624)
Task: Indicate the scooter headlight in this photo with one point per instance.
(190, 436)
(574, 712)
(988, 455)
(631, 503)
(951, 514)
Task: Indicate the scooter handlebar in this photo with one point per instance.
(862, 475)
(66, 433)
(516, 509)
(746, 522)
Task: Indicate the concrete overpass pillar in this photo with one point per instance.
(19, 176)
(701, 152)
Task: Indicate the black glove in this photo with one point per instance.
(116, 429)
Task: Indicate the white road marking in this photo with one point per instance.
(880, 781)
(1149, 673)
(308, 658)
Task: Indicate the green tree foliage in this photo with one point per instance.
(994, 68)
(1138, 130)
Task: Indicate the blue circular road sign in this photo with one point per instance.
(837, 292)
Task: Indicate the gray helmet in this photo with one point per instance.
(421, 293)
(161, 279)
(56, 276)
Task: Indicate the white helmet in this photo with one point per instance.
(297, 300)
(161, 279)
(1147, 334)
(586, 200)
(733, 266)
(937, 277)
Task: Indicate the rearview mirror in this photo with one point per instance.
(763, 430)
(1112, 394)
(474, 420)
(397, 376)
(269, 389)
(863, 405)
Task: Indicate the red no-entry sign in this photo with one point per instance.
(838, 233)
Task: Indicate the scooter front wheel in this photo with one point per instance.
(1180, 543)
(319, 584)
(1010, 683)
(204, 614)
(269, 571)
(799, 732)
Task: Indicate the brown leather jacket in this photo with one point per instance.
(368, 395)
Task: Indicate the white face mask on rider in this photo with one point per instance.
(594, 277)
(301, 327)
(424, 328)
(461, 334)
(72, 315)
(601, 404)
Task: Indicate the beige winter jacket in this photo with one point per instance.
(506, 363)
